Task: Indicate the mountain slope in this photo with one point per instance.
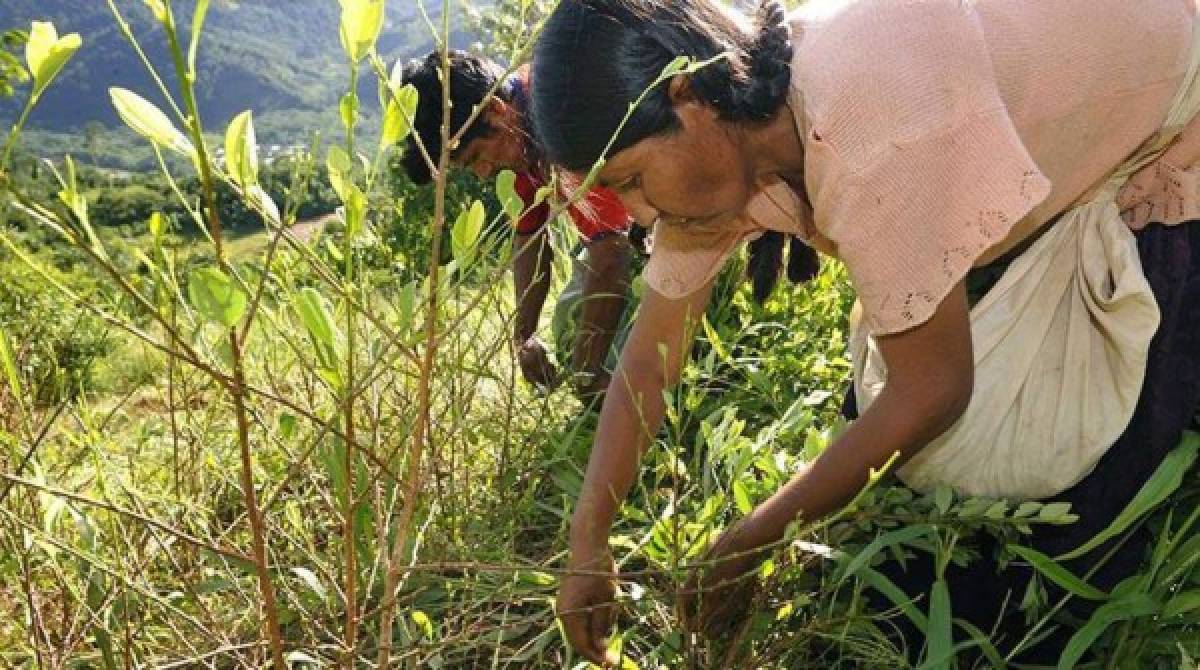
(266, 55)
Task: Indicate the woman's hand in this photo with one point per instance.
(586, 604)
(535, 363)
(716, 601)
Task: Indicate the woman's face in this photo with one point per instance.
(698, 171)
(503, 148)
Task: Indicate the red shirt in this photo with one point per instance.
(600, 214)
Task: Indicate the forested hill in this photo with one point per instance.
(278, 57)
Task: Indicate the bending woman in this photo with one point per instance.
(1026, 326)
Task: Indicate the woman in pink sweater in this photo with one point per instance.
(932, 147)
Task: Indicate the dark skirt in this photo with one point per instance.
(989, 597)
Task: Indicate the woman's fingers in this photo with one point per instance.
(577, 625)
(602, 620)
(587, 612)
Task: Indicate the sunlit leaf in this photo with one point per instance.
(506, 192)
(46, 53)
(464, 236)
(361, 23)
(310, 580)
(338, 163)
(148, 120)
(198, 17)
(326, 338)
(424, 623)
(264, 204)
(241, 150)
(401, 109)
(348, 109)
(215, 295)
(158, 8)
(10, 363)
(157, 225)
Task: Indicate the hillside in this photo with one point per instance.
(280, 58)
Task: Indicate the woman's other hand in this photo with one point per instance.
(587, 604)
(716, 601)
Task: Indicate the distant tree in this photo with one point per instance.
(93, 140)
(504, 28)
(11, 70)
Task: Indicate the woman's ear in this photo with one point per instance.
(501, 114)
(680, 91)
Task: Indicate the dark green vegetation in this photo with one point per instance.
(231, 438)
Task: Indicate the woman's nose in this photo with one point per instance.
(638, 208)
(483, 169)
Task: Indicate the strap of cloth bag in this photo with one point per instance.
(1060, 345)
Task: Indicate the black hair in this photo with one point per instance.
(596, 57)
(471, 79)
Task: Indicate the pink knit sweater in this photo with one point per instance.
(938, 134)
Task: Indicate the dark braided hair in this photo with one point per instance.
(595, 57)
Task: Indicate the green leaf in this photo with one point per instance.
(1181, 560)
(863, 558)
(362, 21)
(997, 511)
(1105, 616)
(287, 426)
(215, 295)
(348, 109)
(158, 8)
(1182, 604)
(1057, 573)
(1165, 481)
(10, 363)
(1027, 509)
(741, 497)
(406, 307)
(314, 314)
(241, 150)
(940, 634)
(198, 17)
(46, 53)
(157, 225)
(337, 161)
(506, 192)
(676, 66)
(148, 121)
(310, 580)
(401, 109)
(464, 237)
(262, 203)
(423, 622)
(897, 597)
(943, 498)
(296, 658)
(355, 210)
(1053, 512)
